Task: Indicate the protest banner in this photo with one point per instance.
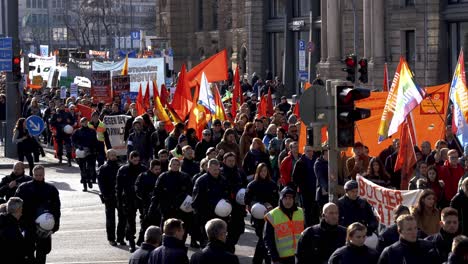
(115, 126)
(120, 84)
(74, 90)
(384, 200)
(100, 86)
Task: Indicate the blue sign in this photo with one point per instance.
(135, 35)
(35, 125)
(302, 45)
(303, 76)
(6, 54)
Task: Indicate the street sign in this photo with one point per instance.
(6, 54)
(35, 125)
(302, 55)
(303, 76)
(135, 35)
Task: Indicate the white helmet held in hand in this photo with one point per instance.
(223, 208)
(258, 211)
(44, 225)
(68, 129)
(371, 241)
(240, 196)
(80, 153)
(186, 205)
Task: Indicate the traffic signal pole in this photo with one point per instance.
(13, 102)
(333, 151)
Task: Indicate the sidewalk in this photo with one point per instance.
(47, 161)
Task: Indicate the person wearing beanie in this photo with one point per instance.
(280, 239)
(353, 208)
(139, 141)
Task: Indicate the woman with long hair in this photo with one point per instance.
(264, 191)
(270, 133)
(426, 213)
(437, 186)
(355, 251)
(246, 139)
(377, 174)
(24, 142)
(256, 155)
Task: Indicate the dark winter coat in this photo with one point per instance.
(214, 253)
(207, 192)
(303, 175)
(252, 159)
(144, 187)
(172, 251)
(201, 148)
(442, 243)
(12, 246)
(390, 235)
(107, 176)
(403, 251)
(125, 185)
(460, 202)
(261, 191)
(321, 172)
(191, 167)
(351, 254)
(85, 138)
(5, 191)
(358, 210)
(142, 254)
(171, 189)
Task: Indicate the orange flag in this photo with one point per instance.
(220, 113)
(237, 93)
(159, 110)
(197, 116)
(215, 69)
(146, 98)
(406, 158)
(385, 78)
(182, 101)
(139, 103)
(303, 127)
(125, 66)
(296, 110)
(269, 104)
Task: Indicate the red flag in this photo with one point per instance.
(146, 98)
(269, 104)
(262, 107)
(159, 110)
(215, 69)
(385, 78)
(237, 93)
(140, 107)
(164, 95)
(296, 110)
(406, 158)
(85, 111)
(182, 101)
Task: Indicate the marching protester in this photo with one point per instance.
(10, 183)
(173, 249)
(63, 123)
(24, 143)
(102, 136)
(426, 213)
(460, 203)
(152, 240)
(85, 142)
(12, 241)
(448, 231)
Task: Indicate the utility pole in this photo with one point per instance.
(13, 104)
(131, 24)
(311, 21)
(355, 36)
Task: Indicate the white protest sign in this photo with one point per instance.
(385, 200)
(63, 92)
(115, 126)
(74, 90)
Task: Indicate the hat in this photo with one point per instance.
(358, 145)
(209, 150)
(287, 190)
(350, 185)
(83, 119)
(284, 97)
(182, 138)
(206, 132)
(216, 122)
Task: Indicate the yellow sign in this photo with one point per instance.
(37, 80)
(433, 104)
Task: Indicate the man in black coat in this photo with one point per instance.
(318, 242)
(107, 176)
(173, 249)
(460, 203)
(409, 249)
(152, 241)
(84, 139)
(59, 120)
(144, 187)
(189, 165)
(158, 137)
(448, 231)
(126, 196)
(38, 197)
(209, 189)
(11, 240)
(355, 209)
(10, 183)
(216, 251)
(304, 177)
(204, 145)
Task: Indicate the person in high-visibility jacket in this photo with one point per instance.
(283, 228)
(102, 137)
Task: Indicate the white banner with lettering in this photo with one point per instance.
(384, 200)
(115, 126)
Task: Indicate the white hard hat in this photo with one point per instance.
(186, 205)
(371, 241)
(258, 211)
(68, 129)
(240, 196)
(46, 221)
(80, 153)
(223, 208)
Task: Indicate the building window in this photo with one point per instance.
(276, 8)
(34, 4)
(457, 1)
(409, 2)
(410, 48)
(458, 37)
(301, 8)
(54, 3)
(28, 3)
(276, 42)
(45, 4)
(214, 13)
(200, 15)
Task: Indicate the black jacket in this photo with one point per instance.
(191, 167)
(358, 210)
(207, 192)
(252, 159)
(351, 254)
(390, 235)
(140, 142)
(460, 202)
(453, 259)
(12, 246)
(85, 137)
(38, 197)
(144, 187)
(171, 189)
(318, 242)
(403, 251)
(106, 176)
(214, 253)
(125, 185)
(303, 175)
(201, 148)
(442, 243)
(142, 254)
(321, 172)
(157, 140)
(172, 251)
(261, 191)
(5, 191)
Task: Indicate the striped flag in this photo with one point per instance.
(459, 98)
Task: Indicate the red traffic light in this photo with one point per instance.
(350, 62)
(363, 63)
(16, 60)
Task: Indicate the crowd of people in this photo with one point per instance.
(251, 166)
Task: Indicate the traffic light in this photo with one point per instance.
(363, 70)
(351, 62)
(347, 114)
(16, 68)
(31, 68)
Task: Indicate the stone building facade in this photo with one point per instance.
(264, 35)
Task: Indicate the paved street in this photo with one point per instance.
(81, 238)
